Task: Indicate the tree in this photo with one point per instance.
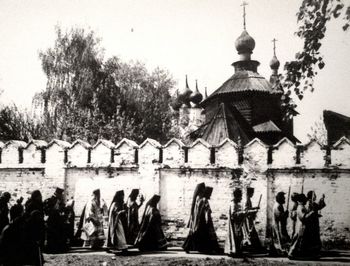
(313, 17)
(89, 98)
(18, 125)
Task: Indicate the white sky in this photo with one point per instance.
(194, 37)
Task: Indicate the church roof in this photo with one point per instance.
(226, 123)
(243, 81)
(268, 126)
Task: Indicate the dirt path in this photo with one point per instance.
(174, 257)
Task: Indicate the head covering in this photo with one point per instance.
(294, 196)
(250, 190)
(6, 195)
(96, 192)
(279, 196)
(36, 196)
(59, 191)
(153, 201)
(237, 192)
(207, 192)
(301, 198)
(198, 190)
(118, 199)
(134, 193)
(310, 194)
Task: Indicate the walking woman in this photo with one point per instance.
(151, 236)
(117, 223)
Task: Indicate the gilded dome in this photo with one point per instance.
(245, 43)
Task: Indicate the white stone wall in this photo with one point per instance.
(148, 154)
(124, 155)
(313, 156)
(9, 156)
(32, 156)
(173, 155)
(226, 155)
(176, 183)
(100, 155)
(78, 156)
(199, 155)
(284, 155)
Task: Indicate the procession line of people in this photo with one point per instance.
(27, 231)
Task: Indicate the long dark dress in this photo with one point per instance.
(4, 213)
(11, 243)
(280, 237)
(233, 243)
(20, 241)
(132, 222)
(151, 236)
(202, 236)
(56, 235)
(116, 224)
(301, 247)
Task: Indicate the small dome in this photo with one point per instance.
(184, 95)
(196, 97)
(274, 63)
(245, 43)
(175, 104)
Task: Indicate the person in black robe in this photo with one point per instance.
(33, 231)
(280, 237)
(303, 245)
(4, 210)
(203, 237)
(34, 203)
(133, 225)
(17, 209)
(12, 240)
(54, 208)
(151, 236)
(190, 243)
(314, 237)
(117, 223)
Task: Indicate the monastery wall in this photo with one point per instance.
(173, 170)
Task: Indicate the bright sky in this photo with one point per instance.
(194, 37)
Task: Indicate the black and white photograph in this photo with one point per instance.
(174, 132)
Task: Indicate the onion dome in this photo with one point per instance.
(274, 63)
(245, 44)
(184, 95)
(196, 97)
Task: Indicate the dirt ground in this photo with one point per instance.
(176, 257)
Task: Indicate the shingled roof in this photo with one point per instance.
(226, 123)
(268, 126)
(244, 81)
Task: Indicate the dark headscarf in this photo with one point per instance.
(310, 194)
(118, 199)
(200, 188)
(294, 196)
(279, 196)
(207, 192)
(153, 201)
(302, 198)
(134, 193)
